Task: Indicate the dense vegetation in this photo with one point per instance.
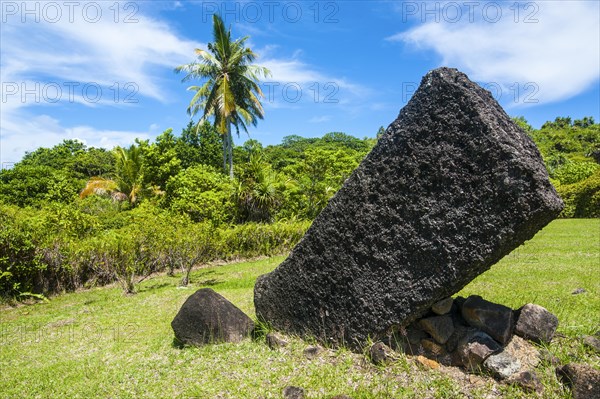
(72, 216)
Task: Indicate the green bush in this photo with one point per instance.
(108, 213)
(201, 193)
(572, 172)
(19, 261)
(582, 199)
(254, 239)
(194, 244)
(26, 185)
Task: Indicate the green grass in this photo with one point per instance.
(101, 343)
(562, 257)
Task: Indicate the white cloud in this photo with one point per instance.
(295, 71)
(26, 133)
(559, 54)
(103, 52)
(70, 52)
(293, 82)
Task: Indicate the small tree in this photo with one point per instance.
(198, 243)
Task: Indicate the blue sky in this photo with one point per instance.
(102, 71)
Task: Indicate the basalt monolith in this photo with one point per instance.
(450, 188)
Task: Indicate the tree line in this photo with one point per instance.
(74, 216)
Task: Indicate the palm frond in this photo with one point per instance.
(98, 185)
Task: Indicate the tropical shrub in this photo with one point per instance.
(195, 244)
(572, 172)
(260, 191)
(19, 261)
(26, 185)
(582, 199)
(202, 193)
(255, 239)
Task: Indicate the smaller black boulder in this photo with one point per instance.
(207, 317)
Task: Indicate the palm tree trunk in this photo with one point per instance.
(225, 151)
(230, 140)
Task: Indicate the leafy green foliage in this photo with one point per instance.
(19, 262)
(129, 170)
(570, 172)
(195, 244)
(561, 140)
(61, 156)
(74, 158)
(317, 168)
(260, 190)
(199, 144)
(32, 185)
(571, 151)
(256, 239)
(582, 199)
(319, 174)
(201, 193)
(95, 162)
(160, 160)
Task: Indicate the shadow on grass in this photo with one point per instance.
(177, 344)
(210, 282)
(152, 287)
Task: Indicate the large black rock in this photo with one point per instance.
(206, 317)
(451, 187)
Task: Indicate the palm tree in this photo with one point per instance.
(231, 92)
(128, 174)
(260, 191)
(127, 182)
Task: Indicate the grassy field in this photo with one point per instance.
(100, 343)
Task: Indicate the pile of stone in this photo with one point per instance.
(487, 338)
(475, 334)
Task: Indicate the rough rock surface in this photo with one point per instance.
(583, 380)
(524, 351)
(312, 351)
(432, 348)
(439, 327)
(475, 348)
(494, 319)
(442, 307)
(536, 324)
(275, 341)
(528, 381)
(207, 317)
(450, 188)
(380, 353)
(291, 392)
(502, 365)
(592, 342)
